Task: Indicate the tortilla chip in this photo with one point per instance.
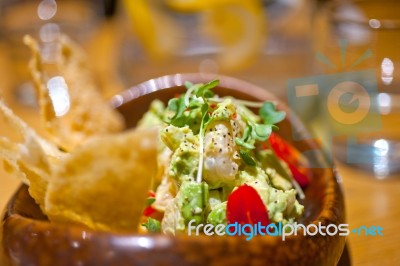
(88, 113)
(9, 153)
(29, 160)
(103, 184)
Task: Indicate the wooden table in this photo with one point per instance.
(372, 202)
(369, 202)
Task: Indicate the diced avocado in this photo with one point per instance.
(283, 204)
(193, 199)
(173, 136)
(224, 111)
(154, 116)
(257, 178)
(218, 214)
(268, 159)
(277, 180)
(184, 162)
(215, 198)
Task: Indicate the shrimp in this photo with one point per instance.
(221, 156)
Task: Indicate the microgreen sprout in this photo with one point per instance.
(194, 104)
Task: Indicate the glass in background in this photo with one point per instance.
(356, 36)
(45, 20)
(264, 42)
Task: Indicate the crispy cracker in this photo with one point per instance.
(32, 160)
(103, 184)
(89, 114)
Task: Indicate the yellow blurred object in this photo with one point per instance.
(240, 27)
(190, 5)
(159, 34)
(197, 5)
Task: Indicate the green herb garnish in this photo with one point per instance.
(270, 115)
(189, 108)
(258, 131)
(150, 201)
(193, 106)
(152, 225)
(245, 155)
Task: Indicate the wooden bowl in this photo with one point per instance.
(30, 239)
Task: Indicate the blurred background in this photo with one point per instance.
(270, 43)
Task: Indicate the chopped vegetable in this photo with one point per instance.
(149, 210)
(216, 170)
(246, 207)
(152, 225)
(297, 164)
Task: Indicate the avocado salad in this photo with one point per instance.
(212, 146)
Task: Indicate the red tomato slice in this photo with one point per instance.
(246, 207)
(151, 194)
(298, 165)
(301, 175)
(149, 211)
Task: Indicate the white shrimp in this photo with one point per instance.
(221, 158)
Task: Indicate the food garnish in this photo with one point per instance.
(215, 151)
(297, 164)
(245, 206)
(152, 225)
